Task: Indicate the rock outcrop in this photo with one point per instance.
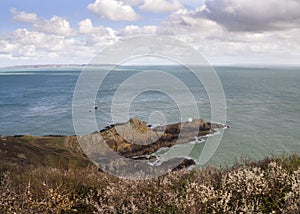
(135, 138)
(137, 141)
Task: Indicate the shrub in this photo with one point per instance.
(270, 185)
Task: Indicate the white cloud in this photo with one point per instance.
(56, 25)
(224, 31)
(133, 30)
(188, 3)
(23, 43)
(101, 37)
(113, 10)
(185, 21)
(133, 2)
(160, 6)
(192, 3)
(221, 45)
(5, 47)
(31, 45)
(96, 35)
(243, 15)
(37, 40)
(22, 16)
(54, 40)
(86, 26)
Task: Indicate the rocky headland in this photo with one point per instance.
(134, 139)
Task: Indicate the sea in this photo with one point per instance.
(262, 106)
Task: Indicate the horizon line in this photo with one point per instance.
(70, 65)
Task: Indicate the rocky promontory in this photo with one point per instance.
(113, 147)
(134, 140)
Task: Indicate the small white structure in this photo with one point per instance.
(190, 120)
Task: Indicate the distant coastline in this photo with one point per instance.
(49, 66)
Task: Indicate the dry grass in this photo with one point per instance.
(268, 186)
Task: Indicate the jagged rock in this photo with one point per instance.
(184, 164)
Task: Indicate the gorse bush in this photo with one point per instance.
(268, 186)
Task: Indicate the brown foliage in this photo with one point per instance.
(271, 185)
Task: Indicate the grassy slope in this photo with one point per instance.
(52, 151)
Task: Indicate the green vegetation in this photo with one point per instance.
(61, 152)
(268, 186)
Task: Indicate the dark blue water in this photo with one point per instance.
(36, 102)
(263, 106)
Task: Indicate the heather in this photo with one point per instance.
(271, 185)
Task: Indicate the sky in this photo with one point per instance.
(228, 32)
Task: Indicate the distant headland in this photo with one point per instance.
(49, 66)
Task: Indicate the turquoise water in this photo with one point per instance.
(263, 106)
